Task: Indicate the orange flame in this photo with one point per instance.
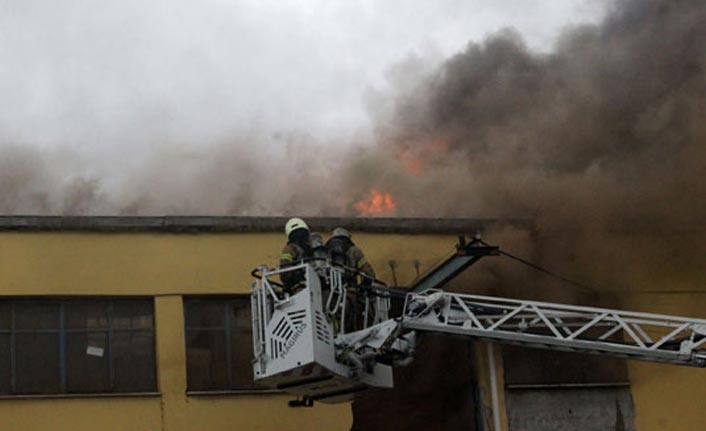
(416, 162)
(378, 204)
(412, 163)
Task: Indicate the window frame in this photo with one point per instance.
(226, 302)
(62, 330)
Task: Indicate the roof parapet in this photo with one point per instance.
(206, 224)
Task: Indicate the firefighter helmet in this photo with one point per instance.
(341, 232)
(316, 240)
(294, 224)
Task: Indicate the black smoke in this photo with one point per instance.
(602, 141)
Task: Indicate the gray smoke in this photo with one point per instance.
(601, 142)
(245, 107)
(229, 178)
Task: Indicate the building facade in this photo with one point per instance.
(143, 324)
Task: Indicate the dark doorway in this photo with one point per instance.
(435, 392)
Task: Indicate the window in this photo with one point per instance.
(76, 346)
(219, 344)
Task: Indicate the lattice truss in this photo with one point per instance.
(642, 336)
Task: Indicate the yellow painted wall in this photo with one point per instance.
(169, 266)
(134, 414)
(164, 264)
(668, 398)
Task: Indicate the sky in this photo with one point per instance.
(114, 79)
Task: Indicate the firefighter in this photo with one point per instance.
(319, 261)
(343, 251)
(359, 273)
(319, 252)
(298, 247)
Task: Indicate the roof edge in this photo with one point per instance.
(205, 224)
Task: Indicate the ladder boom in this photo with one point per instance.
(641, 336)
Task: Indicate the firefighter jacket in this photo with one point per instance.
(356, 259)
(292, 254)
(343, 252)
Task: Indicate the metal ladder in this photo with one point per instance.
(617, 333)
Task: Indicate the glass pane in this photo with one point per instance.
(204, 313)
(86, 315)
(5, 315)
(134, 362)
(36, 315)
(133, 314)
(87, 362)
(37, 363)
(240, 319)
(5, 364)
(206, 360)
(241, 360)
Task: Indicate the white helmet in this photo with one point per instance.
(294, 224)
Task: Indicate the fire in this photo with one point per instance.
(413, 164)
(416, 161)
(377, 204)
